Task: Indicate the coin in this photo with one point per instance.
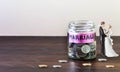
(57, 66)
(86, 64)
(102, 59)
(62, 61)
(110, 66)
(43, 66)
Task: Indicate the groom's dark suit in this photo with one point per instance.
(102, 40)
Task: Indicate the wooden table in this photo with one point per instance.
(24, 54)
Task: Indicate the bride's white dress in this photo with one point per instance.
(109, 52)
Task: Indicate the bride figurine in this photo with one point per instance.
(109, 52)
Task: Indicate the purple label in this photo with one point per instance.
(81, 38)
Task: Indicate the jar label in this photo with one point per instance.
(81, 38)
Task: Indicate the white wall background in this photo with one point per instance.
(51, 17)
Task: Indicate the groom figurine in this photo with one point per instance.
(102, 37)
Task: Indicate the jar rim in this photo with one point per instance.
(79, 24)
(82, 22)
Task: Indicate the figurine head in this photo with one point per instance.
(102, 23)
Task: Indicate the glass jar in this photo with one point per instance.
(81, 40)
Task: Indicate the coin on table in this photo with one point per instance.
(102, 59)
(57, 66)
(87, 64)
(110, 66)
(43, 66)
(62, 61)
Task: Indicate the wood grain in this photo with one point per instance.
(24, 54)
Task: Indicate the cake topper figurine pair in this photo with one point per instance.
(106, 41)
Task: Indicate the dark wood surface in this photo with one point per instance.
(24, 54)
